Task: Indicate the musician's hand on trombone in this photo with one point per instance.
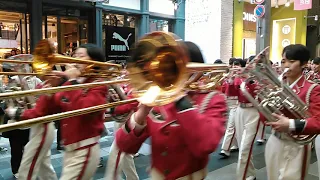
(282, 125)
(72, 72)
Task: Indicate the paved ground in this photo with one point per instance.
(219, 169)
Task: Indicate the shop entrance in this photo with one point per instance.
(65, 33)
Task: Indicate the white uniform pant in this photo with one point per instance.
(317, 147)
(261, 133)
(230, 139)
(247, 125)
(81, 164)
(286, 160)
(119, 161)
(36, 162)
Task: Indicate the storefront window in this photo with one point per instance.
(71, 33)
(160, 25)
(14, 33)
(118, 20)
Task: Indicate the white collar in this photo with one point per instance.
(295, 82)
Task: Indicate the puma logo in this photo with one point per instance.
(125, 41)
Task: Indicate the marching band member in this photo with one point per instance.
(290, 160)
(247, 125)
(36, 162)
(182, 136)
(230, 143)
(80, 134)
(315, 76)
(119, 161)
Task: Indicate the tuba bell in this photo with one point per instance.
(274, 96)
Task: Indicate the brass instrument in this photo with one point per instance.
(158, 70)
(274, 96)
(44, 59)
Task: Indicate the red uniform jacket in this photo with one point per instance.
(183, 147)
(126, 108)
(234, 89)
(78, 128)
(310, 125)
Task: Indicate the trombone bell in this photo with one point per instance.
(157, 68)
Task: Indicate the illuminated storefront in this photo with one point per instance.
(287, 27)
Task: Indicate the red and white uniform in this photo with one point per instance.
(36, 162)
(247, 125)
(119, 161)
(180, 141)
(230, 139)
(290, 160)
(80, 134)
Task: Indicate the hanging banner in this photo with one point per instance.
(302, 5)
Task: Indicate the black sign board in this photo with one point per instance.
(118, 43)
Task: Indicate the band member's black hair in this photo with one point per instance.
(231, 61)
(218, 61)
(243, 62)
(251, 58)
(316, 60)
(236, 62)
(94, 52)
(297, 52)
(194, 52)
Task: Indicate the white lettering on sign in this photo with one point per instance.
(249, 17)
(304, 1)
(118, 48)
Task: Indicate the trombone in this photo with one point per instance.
(158, 70)
(44, 59)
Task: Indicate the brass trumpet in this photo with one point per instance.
(158, 70)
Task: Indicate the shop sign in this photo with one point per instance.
(118, 43)
(249, 19)
(302, 4)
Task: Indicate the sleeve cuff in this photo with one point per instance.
(73, 81)
(292, 126)
(299, 125)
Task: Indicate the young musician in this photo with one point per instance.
(315, 75)
(246, 125)
(119, 161)
(36, 162)
(80, 134)
(290, 160)
(182, 135)
(229, 142)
